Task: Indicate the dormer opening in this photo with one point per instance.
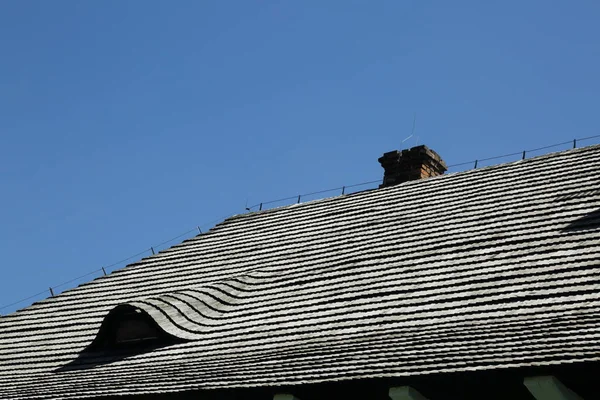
(134, 328)
(127, 327)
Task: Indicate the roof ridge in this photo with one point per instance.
(412, 182)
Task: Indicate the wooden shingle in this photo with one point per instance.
(491, 268)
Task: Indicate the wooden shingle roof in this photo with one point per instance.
(491, 268)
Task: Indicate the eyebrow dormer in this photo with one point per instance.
(128, 327)
(170, 318)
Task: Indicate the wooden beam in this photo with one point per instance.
(549, 388)
(284, 396)
(405, 393)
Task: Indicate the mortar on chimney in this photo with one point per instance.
(411, 164)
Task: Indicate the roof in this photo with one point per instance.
(485, 269)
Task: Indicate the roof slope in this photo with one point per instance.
(488, 268)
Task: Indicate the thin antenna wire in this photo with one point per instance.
(412, 132)
(413, 129)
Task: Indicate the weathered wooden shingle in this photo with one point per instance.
(490, 268)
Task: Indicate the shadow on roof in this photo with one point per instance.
(590, 220)
(89, 360)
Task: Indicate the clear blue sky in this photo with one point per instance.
(125, 123)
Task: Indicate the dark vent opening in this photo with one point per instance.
(125, 332)
(129, 328)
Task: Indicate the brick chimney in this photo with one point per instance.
(411, 164)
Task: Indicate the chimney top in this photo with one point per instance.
(411, 164)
